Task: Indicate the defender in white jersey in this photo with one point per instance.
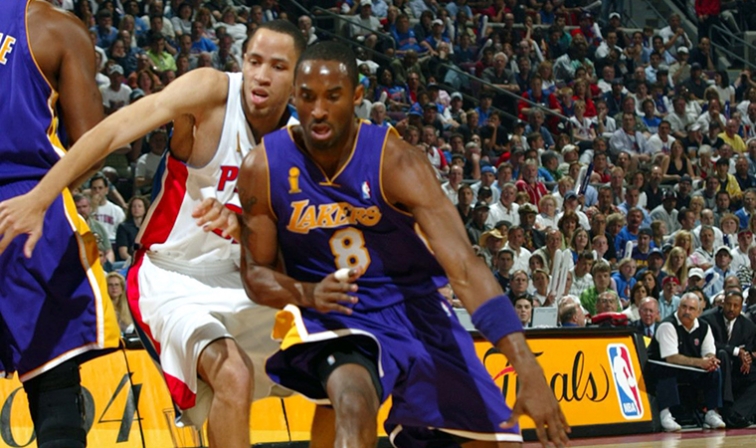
(184, 286)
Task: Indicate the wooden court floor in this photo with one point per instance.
(686, 439)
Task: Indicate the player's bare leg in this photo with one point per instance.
(355, 402)
(323, 431)
(229, 373)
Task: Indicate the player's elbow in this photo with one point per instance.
(462, 268)
(254, 285)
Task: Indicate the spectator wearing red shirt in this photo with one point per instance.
(707, 12)
(536, 95)
(530, 184)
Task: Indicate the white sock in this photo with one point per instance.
(664, 413)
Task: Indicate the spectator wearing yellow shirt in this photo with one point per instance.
(727, 181)
(731, 137)
(157, 54)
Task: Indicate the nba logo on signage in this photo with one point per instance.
(625, 382)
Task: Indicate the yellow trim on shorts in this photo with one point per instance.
(108, 331)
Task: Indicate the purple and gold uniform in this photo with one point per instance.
(54, 306)
(425, 358)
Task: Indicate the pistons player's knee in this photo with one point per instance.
(228, 371)
(57, 407)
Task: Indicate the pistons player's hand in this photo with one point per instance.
(335, 290)
(211, 215)
(21, 215)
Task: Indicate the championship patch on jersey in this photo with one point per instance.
(625, 381)
(294, 180)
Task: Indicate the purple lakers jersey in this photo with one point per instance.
(325, 224)
(29, 133)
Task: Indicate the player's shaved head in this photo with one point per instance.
(332, 51)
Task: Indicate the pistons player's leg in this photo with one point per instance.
(228, 371)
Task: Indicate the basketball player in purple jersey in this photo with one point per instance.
(335, 193)
(184, 287)
(54, 307)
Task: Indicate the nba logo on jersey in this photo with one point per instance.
(625, 382)
(366, 190)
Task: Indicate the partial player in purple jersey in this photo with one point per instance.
(348, 195)
(54, 307)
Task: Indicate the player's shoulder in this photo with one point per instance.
(205, 81)
(396, 150)
(200, 91)
(55, 27)
(39, 9)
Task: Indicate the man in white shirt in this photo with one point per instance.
(506, 208)
(451, 186)
(674, 35)
(666, 212)
(707, 219)
(679, 70)
(106, 212)
(678, 119)
(521, 257)
(147, 164)
(581, 274)
(609, 44)
(364, 24)
(627, 139)
(661, 142)
(117, 94)
(749, 121)
(713, 114)
(740, 253)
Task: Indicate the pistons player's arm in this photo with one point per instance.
(263, 283)
(410, 184)
(194, 94)
(65, 55)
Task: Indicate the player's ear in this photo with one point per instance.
(359, 94)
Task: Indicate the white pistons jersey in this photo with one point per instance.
(169, 230)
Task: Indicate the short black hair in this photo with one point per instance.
(155, 36)
(283, 27)
(99, 176)
(332, 51)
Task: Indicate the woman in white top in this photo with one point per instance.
(638, 293)
(604, 124)
(548, 216)
(724, 89)
(582, 128)
(182, 22)
(234, 29)
(546, 70)
(638, 179)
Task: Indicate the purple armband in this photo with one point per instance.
(496, 318)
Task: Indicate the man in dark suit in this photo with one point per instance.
(648, 309)
(736, 335)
